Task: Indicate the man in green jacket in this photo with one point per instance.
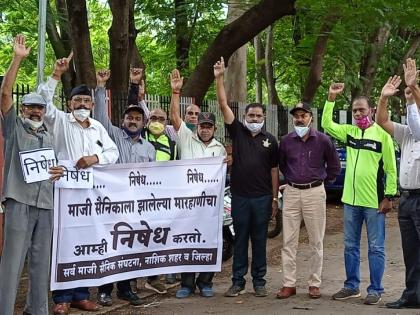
(370, 158)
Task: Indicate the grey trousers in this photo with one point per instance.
(27, 231)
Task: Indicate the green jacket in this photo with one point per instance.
(370, 156)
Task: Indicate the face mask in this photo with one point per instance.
(131, 134)
(254, 127)
(363, 123)
(191, 126)
(33, 124)
(81, 114)
(302, 130)
(156, 128)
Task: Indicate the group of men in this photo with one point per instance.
(305, 157)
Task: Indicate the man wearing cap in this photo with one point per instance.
(133, 149)
(193, 146)
(79, 138)
(29, 206)
(307, 159)
(255, 184)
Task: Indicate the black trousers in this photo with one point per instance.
(122, 286)
(204, 279)
(409, 220)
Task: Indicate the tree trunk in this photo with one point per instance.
(258, 69)
(370, 61)
(119, 35)
(315, 71)
(235, 77)
(273, 97)
(183, 40)
(230, 38)
(82, 49)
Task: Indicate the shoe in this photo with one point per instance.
(372, 299)
(206, 292)
(131, 297)
(234, 290)
(286, 292)
(156, 286)
(183, 293)
(260, 291)
(170, 278)
(85, 305)
(61, 309)
(346, 293)
(314, 292)
(402, 303)
(104, 299)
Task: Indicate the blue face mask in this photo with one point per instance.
(192, 127)
(132, 134)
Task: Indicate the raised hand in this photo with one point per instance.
(335, 89)
(102, 76)
(62, 65)
(19, 48)
(136, 74)
(391, 86)
(411, 74)
(176, 81)
(219, 68)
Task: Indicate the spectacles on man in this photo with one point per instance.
(191, 113)
(157, 118)
(82, 99)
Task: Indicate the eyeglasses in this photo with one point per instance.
(82, 100)
(191, 113)
(156, 118)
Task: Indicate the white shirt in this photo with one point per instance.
(71, 140)
(191, 147)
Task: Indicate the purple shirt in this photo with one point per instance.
(303, 162)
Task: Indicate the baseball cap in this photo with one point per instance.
(206, 117)
(133, 107)
(33, 99)
(305, 106)
(80, 90)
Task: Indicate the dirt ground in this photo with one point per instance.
(333, 276)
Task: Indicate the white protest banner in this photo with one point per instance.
(139, 220)
(73, 177)
(36, 163)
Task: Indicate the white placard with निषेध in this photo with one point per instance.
(73, 177)
(36, 163)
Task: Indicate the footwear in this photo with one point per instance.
(206, 292)
(183, 293)
(260, 291)
(104, 299)
(156, 286)
(234, 290)
(372, 299)
(346, 293)
(85, 305)
(286, 292)
(314, 292)
(402, 303)
(131, 297)
(170, 278)
(61, 309)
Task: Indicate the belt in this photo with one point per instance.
(411, 191)
(306, 186)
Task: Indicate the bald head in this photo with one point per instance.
(191, 114)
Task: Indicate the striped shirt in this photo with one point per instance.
(130, 151)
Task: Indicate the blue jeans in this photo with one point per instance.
(250, 221)
(354, 216)
(70, 295)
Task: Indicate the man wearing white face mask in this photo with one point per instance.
(307, 159)
(254, 186)
(79, 138)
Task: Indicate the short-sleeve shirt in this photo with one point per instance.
(410, 157)
(191, 147)
(253, 159)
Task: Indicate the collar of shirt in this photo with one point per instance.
(312, 133)
(71, 119)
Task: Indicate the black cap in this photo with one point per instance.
(133, 107)
(206, 117)
(305, 106)
(80, 90)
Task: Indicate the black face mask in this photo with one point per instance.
(131, 133)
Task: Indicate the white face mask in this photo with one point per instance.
(34, 124)
(302, 130)
(81, 114)
(254, 127)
